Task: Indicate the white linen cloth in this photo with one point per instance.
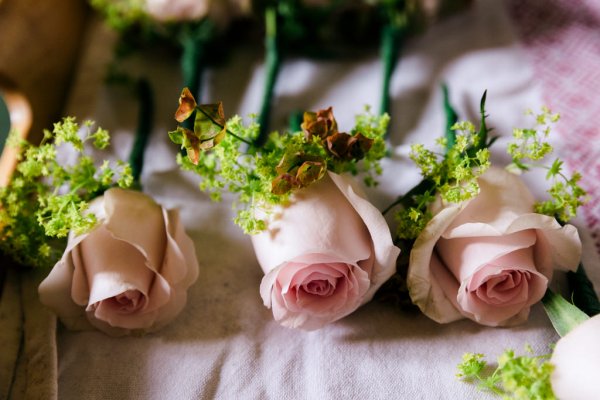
(225, 344)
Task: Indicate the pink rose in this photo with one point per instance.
(576, 360)
(491, 258)
(178, 10)
(130, 272)
(324, 255)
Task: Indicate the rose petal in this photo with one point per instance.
(318, 221)
(464, 255)
(384, 251)
(179, 268)
(428, 279)
(55, 291)
(147, 228)
(112, 266)
(503, 197)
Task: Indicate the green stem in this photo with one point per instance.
(144, 128)
(191, 67)
(295, 121)
(391, 38)
(563, 315)
(272, 64)
(4, 122)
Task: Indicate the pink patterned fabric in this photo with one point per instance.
(562, 39)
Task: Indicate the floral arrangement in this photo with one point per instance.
(323, 247)
(481, 247)
(126, 262)
(471, 242)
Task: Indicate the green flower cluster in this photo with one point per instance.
(531, 146)
(120, 14)
(46, 199)
(224, 154)
(524, 377)
(450, 173)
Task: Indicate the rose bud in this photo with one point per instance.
(131, 272)
(324, 255)
(489, 259)
(178, 10)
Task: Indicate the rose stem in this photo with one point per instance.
(193, 41)
(391, 42)
(272, 64)
(144, 129)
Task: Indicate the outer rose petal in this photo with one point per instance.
(576, 360)
(503, 207)
(156, 235)
(318, 223)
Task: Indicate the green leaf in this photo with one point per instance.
(583, 293)
(555, 169)
(563, 315)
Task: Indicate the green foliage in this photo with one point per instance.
(120, 14)
(47, 199)
(451, 175)
(265, 176)
(531, 146)
(524, 377)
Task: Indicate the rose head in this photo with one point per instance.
(220, 11)
(324, 255)
(178, 10)
(489, 259)
(576, 360)
(131, 272)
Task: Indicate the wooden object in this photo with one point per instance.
(39, 46)
(20, 117)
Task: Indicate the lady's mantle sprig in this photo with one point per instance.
(223, 153)
(525, 377)
(531, 147)
(48, 198)
(453, 175)
(121, 14)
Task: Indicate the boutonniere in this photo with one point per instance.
(122, 263)
(323, 247)
(482, 247)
